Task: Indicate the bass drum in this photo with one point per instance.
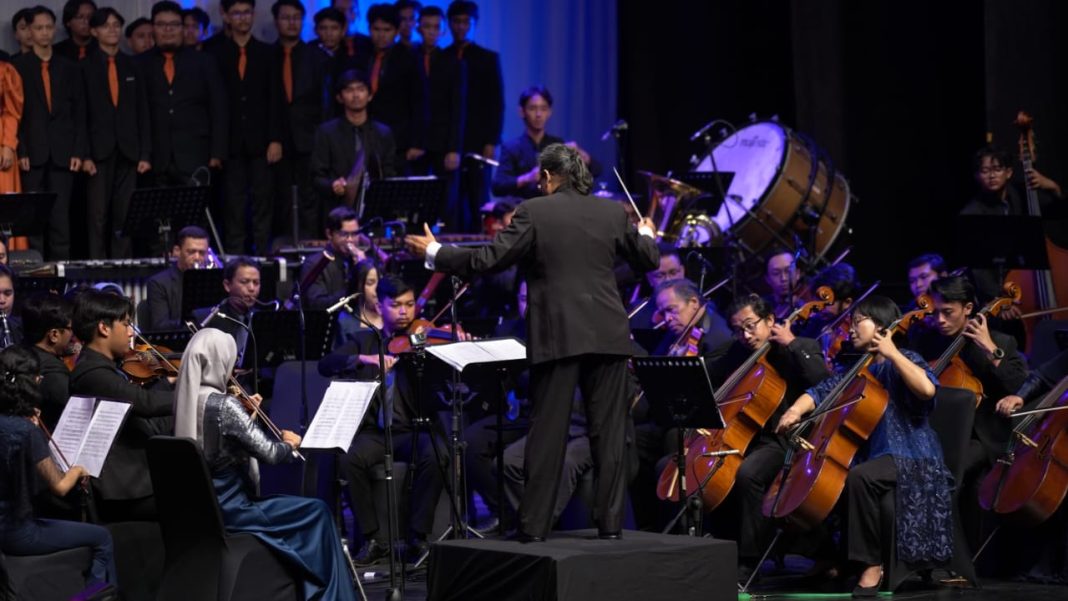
(779, 191)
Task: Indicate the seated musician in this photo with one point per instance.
(1038, 382)
(359, 360)
(902, 456)
(341, 143)
(326, 277)
(684, 309)
(365, 308)
(28, 461)
(233, 315)
(670, 268)
(10, 325)
(102, 321)
(799, 363)
(783, 278)
(841, 278)
(517, 175)
(46, 320)
(165, 288)
(923, 270)
(991, 356)
(300, 530)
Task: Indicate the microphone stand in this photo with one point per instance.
(302, 354)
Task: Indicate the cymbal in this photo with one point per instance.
(661, 183)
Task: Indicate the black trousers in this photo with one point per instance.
(577, 461)
(107, 202)
(368, 451)
(295, 170)
(865, 488)
(249, 194)
(602, 380)
(50, 178)
(762, 463)
(978, 459)
(480, 460)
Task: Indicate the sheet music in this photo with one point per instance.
(102, 431)
(339, 415)
(461, 354)
(71, 429)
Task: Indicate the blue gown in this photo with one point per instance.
(299, 529)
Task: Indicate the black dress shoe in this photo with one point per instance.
(868, 592)
(617, 535)
(370, 553)
(522, 537)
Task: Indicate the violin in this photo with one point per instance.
(816, 467)
(145, 363)
(950, 368)
(747, 399)
(1030, 482)
(402, 341)
(834, 334)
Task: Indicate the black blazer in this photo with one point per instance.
(255, 103)
(335, 153)
(478, 100)
(61, 134)
(436, 126)
(55, 386)
(312, 98)
(126, 127)
(398, 101)
(68, 49)
(331, 284)
(189, 117)
(566, 244)
(125, 474)
(165, 300)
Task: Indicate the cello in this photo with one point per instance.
(1030, 482)
(1040, 289)
(747, 400)
(814, 475)
(950, 368)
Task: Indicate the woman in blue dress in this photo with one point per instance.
(300, 530)
(25, 463)
(903, 456)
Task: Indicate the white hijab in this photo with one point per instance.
(207, 363)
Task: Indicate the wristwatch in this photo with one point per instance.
(998, 354)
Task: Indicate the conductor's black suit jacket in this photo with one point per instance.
(566, 245)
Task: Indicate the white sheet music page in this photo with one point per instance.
(461, 354)
(339, 415)
(103, 429)
(71, 429)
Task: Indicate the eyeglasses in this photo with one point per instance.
(348, 235)
(747, 327)
(859, 319)
(168, 24)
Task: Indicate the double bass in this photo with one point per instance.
(805, 493)
(1041, 289)
(950, 368)
(747, 399)
(1030, 482)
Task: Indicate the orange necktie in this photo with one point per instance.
(46, 79)
(287, 72)
(426, 63)
(113, 81)
(168, 66)
(375, 71)
(81, 52)
(242, 62)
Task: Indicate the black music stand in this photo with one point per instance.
(680, 393)
(1021, 242)
(412, 199)
(201, 288)
(277, 335)
(25, 213)
(165, 210)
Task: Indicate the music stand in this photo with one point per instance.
(277, 335)
(201, 288)
(25, 213)
(28, 286)
(165, 209)
(680, 393)
(1020, 242)
(412, 199)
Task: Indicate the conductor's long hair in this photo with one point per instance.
(565, 162)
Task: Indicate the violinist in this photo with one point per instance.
(299, 530)
(923, 270)
(190, 251)
(687, 315)
(325, 277)
(365, 314)
(783, 278)
(841, 278)
(903, 455)
(991, 356)
(800, 365)
(10, 325)
(241, 281)
(46, 320)
(359, 360)
(28, 462)
(103, 322)
(670, 268)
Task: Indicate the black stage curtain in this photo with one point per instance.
(900, 94)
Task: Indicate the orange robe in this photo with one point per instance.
(10, 113)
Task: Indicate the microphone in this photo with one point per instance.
(617, 127)
(214, 311)
(367, 227)
(697, 135)
(721, 453)
(482, 159)
(693, 254)
(342, 304)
